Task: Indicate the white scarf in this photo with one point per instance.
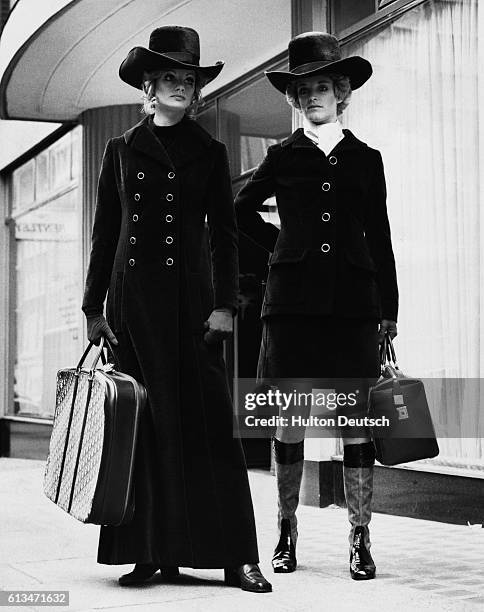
(325, 135)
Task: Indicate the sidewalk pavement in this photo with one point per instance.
(421, 565)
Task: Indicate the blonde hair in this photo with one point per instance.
(149, 87)
(341, 86)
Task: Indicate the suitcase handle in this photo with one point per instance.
(99, 352)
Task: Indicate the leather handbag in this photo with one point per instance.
(409, 434)
(90, 466)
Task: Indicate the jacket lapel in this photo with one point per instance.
(348, 143)
(299, 140)
(192, 143)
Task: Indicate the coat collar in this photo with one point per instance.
(299, 140)
(193, 142)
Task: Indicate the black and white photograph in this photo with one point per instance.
(241, 262)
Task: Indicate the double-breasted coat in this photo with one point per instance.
(333, 254)
(150, 254)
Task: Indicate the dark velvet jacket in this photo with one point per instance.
(333, 254)
(148, 206)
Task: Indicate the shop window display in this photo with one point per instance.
(425, 96)
(47, 274)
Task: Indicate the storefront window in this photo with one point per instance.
(251, 119)
(46, 217)
(420, 108)
(350, 15)
(207, 118)
(348, 12)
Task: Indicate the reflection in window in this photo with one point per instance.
(252, 119)
(207, 118)
(348, 12)
(47, 276)
(23, 187)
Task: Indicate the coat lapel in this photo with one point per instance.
(142, 138)
(192, 143)
(299, 140)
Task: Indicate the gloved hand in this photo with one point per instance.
(387, 325)
(219, 326)
(97, 326)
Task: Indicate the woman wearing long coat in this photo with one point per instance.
(167, 318)
(331, 292)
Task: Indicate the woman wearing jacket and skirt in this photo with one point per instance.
(331, 292)
(167, 319)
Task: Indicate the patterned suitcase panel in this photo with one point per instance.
(71, 476)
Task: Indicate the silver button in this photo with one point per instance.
(325, 247)
(171, 175)
(135, 218)
(325, 186)
(137, 197)
(132, 240)
(169, 218)
(131, 262)
(169, 261)
(332, 160)
(326, 216)
(141, 175)
(169, 239)
(169, 197)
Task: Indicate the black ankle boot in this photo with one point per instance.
(248, 577)
(284, 559)
(141, 573)
(362, 566)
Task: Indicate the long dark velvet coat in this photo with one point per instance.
(335, 202)
(149, 251)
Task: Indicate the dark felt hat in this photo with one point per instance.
(169, 47)
(314, 53)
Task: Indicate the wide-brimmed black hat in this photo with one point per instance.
(314, 53)
(169, 47)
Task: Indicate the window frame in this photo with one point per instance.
(385, 11)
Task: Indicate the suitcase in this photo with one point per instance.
(410, 435)
(90, 466)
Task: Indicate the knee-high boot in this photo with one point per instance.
(289, 461)
(358, 462)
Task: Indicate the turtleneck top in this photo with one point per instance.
(167, 134)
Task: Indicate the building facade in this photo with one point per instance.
(421, 109)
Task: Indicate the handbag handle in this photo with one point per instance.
(387, 353)
(99, 352)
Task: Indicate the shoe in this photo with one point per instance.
(142, 573)
(362, 566)
(248, 577)
(284, 559)
(170, 572)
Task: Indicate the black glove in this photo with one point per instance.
(97, 327)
